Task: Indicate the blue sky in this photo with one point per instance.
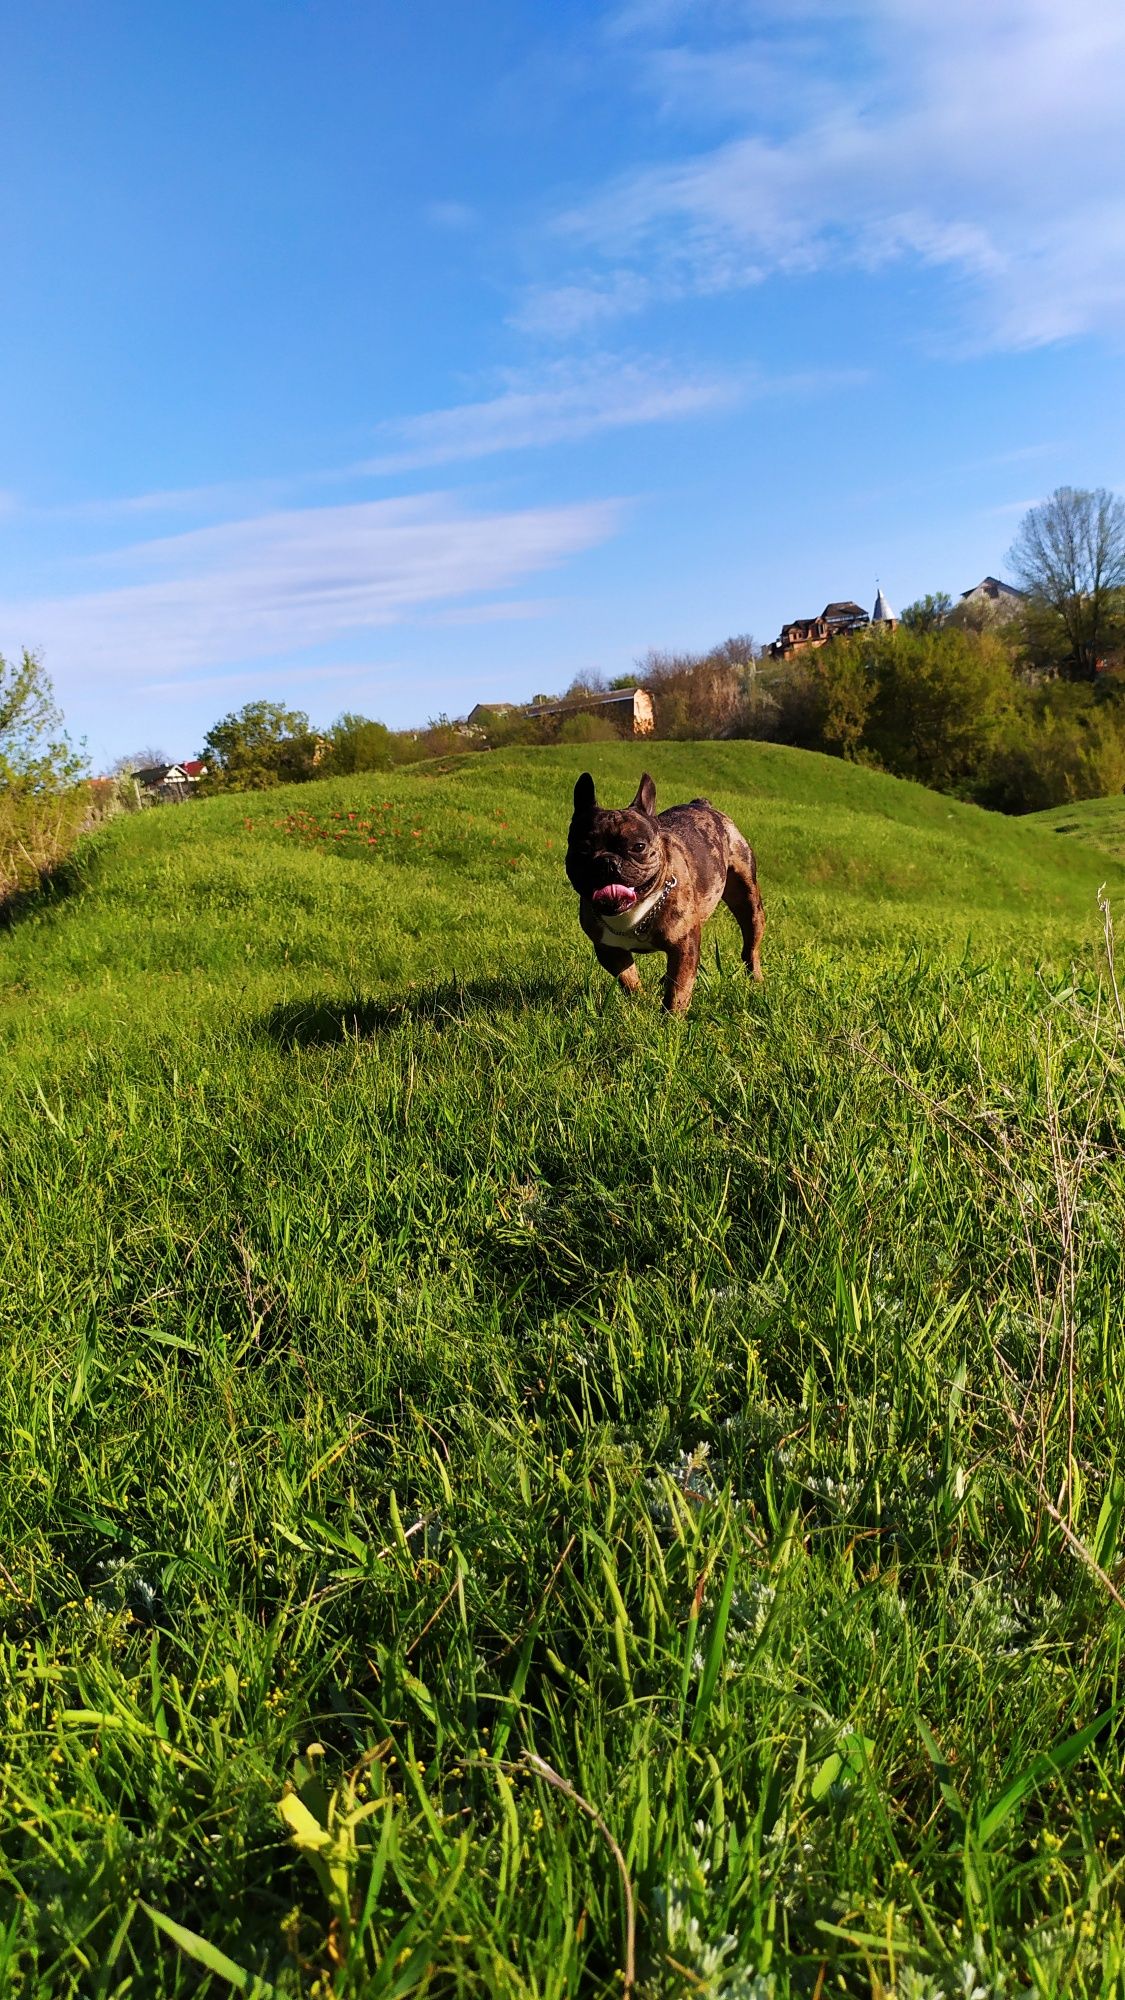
(394, 357)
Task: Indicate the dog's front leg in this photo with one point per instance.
(683, 964)
(620, 963)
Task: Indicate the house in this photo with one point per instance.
(487, 711)
(990, 602)
(169, 781)
(630, 708)
(834, 622)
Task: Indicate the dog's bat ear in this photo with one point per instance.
(585, 797)
(645, 800)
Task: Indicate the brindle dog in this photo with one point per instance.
(648, 881)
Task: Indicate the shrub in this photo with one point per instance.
(38, 832)
(587, 727)
(1066, 745)
(43, 806)
(694, 694)
(356, 743)
(796, 706)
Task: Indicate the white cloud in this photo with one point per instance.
(289, 581)
(986, 140)
(559, 406)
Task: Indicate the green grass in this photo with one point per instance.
(668, 1465)
(1097, 821)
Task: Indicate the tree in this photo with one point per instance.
(1065, 743)
(42, 804)
(35, 751)
(696, 695)
(582, 686)
(358, 744)
(1069, 556)
(260, 745)
(942, 699)
(848, 689)
(740, 651)
(929, 613)
(148, 759)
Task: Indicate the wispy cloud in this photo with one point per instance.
(290, 581)
(561, 405)
(456, 215)
(504, 611)
(581, 305)
(983, 141)
(252, 677)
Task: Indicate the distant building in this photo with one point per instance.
(486, 710)
(170, 782)
(630, 708)
(834, 622)
(991, 600)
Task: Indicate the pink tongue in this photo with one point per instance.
(615, 896)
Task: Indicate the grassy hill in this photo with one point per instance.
(232, 907)
(501, 1486)
(1096, 822)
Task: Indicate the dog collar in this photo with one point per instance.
(649, 919)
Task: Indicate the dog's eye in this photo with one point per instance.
(639, 846)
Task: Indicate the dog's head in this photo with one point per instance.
(613, 859)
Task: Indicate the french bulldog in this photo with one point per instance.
(648, 881)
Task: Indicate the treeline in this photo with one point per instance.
(265, 744)
(954, 709)
(965, 711)
(1017, 716)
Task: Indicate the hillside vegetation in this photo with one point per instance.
(508, 1494)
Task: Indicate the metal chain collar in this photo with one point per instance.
(646, 923)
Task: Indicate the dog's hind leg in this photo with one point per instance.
(620, 963)
(743, 899)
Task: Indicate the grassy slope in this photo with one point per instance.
(222, 915)
(1100, 822)
(413, 1348)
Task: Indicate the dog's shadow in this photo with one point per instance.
(319, 1022)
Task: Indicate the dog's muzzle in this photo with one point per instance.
(613, 897)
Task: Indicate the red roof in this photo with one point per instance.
(194, 766)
